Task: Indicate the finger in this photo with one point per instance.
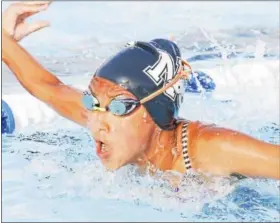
(20, 9)
(26, 15)
(34, 8)
(37, 26)
(36, 3)
(39, 3)
(18, 5)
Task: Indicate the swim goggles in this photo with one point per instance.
(123, 106)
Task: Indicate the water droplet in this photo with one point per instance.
(174, 151)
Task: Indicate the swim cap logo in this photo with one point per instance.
(163, 71)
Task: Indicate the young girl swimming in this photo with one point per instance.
(131, 107)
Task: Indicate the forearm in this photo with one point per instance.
(26, 69)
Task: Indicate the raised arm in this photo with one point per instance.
(222, 151)
(33, 77)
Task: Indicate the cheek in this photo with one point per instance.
(128, 135)
(124, 132)
(90, 123)
(133, 132)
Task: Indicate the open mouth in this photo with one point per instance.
(102, 150)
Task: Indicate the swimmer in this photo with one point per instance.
(131, 107)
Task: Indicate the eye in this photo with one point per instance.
(130, 105)
(117, 107)
(122, 107)
(89, 101)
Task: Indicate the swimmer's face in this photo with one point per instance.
(120, 140)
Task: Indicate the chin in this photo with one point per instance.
(111, 165)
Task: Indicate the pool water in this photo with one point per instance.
(50, 171)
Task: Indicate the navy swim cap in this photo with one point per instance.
(145, 67)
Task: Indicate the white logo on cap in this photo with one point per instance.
(163, 71)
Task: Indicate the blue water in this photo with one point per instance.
(50, 173)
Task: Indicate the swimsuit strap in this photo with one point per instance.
(185, 145)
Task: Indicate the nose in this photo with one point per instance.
(99, 124)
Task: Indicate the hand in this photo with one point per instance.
(13, 18)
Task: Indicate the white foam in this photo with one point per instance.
(28, 110)
(251, 89)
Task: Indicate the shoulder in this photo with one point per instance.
(197, 130)
(187, 132)
(192, 128)
(202, 132)
(201, 137)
